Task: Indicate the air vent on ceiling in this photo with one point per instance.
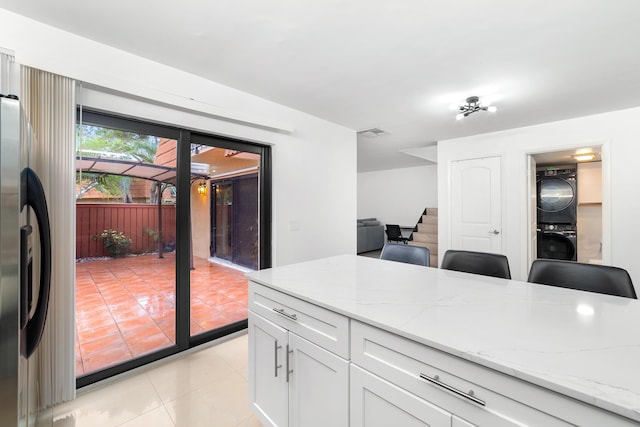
(372, 133)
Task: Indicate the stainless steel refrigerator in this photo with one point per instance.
(25, 267)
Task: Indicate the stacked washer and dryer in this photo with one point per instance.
(557, 212)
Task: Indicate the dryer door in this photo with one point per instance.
(554, 194)
(556, 246)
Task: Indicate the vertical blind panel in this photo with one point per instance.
(9, 73)
(49, 103)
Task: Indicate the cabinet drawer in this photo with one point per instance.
(378, 403)
(471, 391)
(323, 327)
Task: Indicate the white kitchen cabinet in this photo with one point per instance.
(434, 378)
(589, 183)
(436, 355)
(269, 390)
(323, 327)
(318, 386)
(292, 381)
(378, 403)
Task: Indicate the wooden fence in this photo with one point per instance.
(132, 219)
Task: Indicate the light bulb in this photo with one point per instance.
(492, 109)
(585, 157)
(459, 116)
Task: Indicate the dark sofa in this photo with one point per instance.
(370, 235)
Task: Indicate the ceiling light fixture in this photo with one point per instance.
(585, 157)
(472, 105)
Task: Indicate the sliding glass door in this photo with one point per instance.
(235, 220)
(222, 220)
(225, 222)
(125, 243)
(168, 221)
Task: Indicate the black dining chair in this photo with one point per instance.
(603, 279)
(394, 234)
(408, 254)
(483, 263)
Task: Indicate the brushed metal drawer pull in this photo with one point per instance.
(276, 348)
(289, 371)
(285, 314)
(436, 380)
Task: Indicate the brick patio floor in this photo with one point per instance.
(125, 307)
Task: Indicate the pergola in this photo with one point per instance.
(130, 166)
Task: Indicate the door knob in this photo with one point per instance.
(494, 232)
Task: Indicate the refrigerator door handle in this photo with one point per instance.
(26, 277)
(32, 194)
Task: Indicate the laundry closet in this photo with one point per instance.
(569, 206)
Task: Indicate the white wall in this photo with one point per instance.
(314, 161)
(589, 226)
(200, 222)
(617, 132)
(397, 196)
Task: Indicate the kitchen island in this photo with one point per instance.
(356, 341)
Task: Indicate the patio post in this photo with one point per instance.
(191, 266)
(160, 245)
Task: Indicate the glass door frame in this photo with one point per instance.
(185, 138)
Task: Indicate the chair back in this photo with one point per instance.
(406, 253)
(394, 233)
(603, 279)
(483, 263)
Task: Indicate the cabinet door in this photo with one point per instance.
(268, 388)
(378, 403)
(590, 183)
(318, 386)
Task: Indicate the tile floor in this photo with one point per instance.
(125, 307)
(206, 386)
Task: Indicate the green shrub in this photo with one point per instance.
(116, 243)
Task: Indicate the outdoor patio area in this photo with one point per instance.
(125, 307)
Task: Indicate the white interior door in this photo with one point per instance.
(476, 210)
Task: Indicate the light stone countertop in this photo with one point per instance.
(580, 344)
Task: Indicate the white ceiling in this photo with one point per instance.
(394, 65)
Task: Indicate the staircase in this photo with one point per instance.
(426, 234)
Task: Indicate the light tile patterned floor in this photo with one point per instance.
(125, 307)
(205, 387)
